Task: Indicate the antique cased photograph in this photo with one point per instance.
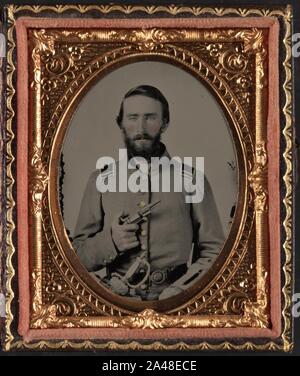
(183, 228)
(153, 148)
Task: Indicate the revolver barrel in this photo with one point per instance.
(141, 214)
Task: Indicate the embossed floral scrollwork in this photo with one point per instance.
(61, 311)
(39, 181)
(58, 64)
(253, 38)
(233, 61)
(148, 39)
(65, 306)
(45, 41)
(44, 45)
(235, 302)
(48, 86)
(258, 177)
(73, 60)
(149, 319)
(56, 61)
(214, 49)
(254, 313)
(254, 43)
(244, 84)
(75, 52)
(234, 296)
(52, 286)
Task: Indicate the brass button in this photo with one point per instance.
(143, 247)
(142, 204)
(158, 277)
(143, 232)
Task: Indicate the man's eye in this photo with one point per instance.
(151, 117)
(132, 117)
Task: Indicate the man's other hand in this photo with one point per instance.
(124, 235)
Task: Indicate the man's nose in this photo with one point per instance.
(142, 124)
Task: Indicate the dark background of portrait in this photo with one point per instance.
(93, 366)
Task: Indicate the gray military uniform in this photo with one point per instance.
(166, 236)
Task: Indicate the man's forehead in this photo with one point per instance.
(141, 103)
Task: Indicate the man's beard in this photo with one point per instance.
(153, 150)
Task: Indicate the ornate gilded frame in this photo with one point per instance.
(235, 63)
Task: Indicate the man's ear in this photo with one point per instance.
(164, 127)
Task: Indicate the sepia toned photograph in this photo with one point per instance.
(148, 180)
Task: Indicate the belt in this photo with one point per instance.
(169, 274)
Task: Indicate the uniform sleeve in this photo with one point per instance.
(209, 236)
(208, 241)
(93, 244)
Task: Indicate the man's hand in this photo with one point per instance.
(118, 286)
(124, 235)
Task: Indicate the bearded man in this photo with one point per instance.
(152, 259)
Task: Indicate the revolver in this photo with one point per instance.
(132, 278)
(141, 214)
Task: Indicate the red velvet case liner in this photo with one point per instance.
(22, 181)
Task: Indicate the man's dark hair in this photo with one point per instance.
(150, 92)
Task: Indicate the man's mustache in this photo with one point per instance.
(142, 137)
